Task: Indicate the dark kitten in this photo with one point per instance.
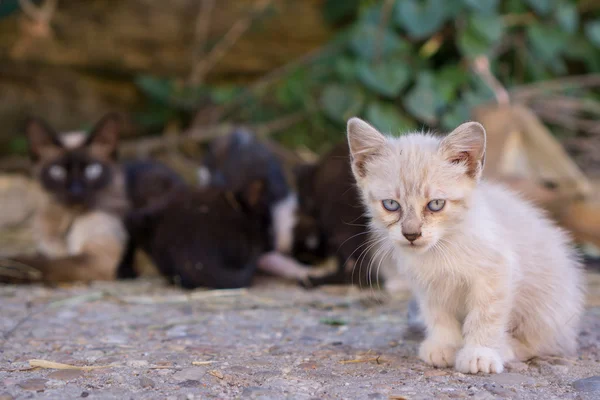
(79, 228)
(208, 237)
(331, 218)
(234, 161)
(149, 185)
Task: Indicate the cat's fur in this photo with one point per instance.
(150, 186)
(234, 161)
(495, 279)
(208, 237)
(80, 235)
(332, 221)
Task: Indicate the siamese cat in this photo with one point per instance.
(79, 231)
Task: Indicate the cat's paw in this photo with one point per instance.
(471, 360)
(437, 354)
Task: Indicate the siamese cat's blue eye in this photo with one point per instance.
(57, 172)
(93, 171)
(436, 205)
(391, 205)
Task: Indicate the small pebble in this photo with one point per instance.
(147, 382)
(588, 385)
(33, 384)
(65, 374)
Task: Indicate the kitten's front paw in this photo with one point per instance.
(437, 354)
(479, 359)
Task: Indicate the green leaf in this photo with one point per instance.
(581, 49)
(157, 89)
(480, 34)
(8, 7)
(335, 11)
(18, 145)
(422, 101)
(386, 78)
(455, 116)
(365, 42)
(341, 102)
(592, 31)
(449, 80)
(542, 7)
(487, 7)
(546, 41)
(224, 94)
(387, 118)
(567, 16)
(346, 68)
(489, 27)
(420, 18)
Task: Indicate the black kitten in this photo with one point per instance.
(331, 219)
(209, 237)
(238, 159)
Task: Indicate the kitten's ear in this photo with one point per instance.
(104, 138)
(43, 141)
(466, 144)
(364, 141)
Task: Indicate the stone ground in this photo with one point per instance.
(142, 340)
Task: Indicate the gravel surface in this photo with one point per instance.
(144, 340)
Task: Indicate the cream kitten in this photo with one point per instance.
(495, 279)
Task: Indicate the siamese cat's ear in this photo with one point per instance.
(43, 141)
(364, 141)
(104, 137)
(466, 145)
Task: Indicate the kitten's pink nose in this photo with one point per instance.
(411, 237)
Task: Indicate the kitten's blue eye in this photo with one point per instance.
(391, 205)
(436, 205)
(57, 172)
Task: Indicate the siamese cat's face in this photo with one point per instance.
(73, 168)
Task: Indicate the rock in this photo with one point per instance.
(498, 390)
(435, 372)
(146, 382)
(194, 374)
(65, 374)
(512, 379)
(253, 392)
(190, 383)
(517, 366)
(137, 363)
(588, 385)
(35, 384)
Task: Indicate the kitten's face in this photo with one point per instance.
(73, 168)
(416, 187)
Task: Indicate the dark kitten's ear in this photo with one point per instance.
(466, 145)
(104, 138)
(365, 142)
(43, 141)
(253, 196)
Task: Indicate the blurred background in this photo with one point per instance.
(186, 71)
(305, 64)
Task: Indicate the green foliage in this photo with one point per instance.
(408, 68)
